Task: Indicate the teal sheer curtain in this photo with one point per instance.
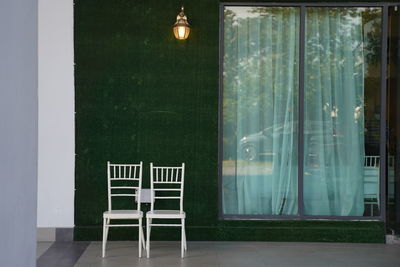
(334, 112)
(260, 110)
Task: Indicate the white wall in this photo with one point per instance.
(56, 157)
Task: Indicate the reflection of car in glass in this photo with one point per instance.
(250, 145)
(254, 146)
(260, 144)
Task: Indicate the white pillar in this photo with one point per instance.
(18, 132)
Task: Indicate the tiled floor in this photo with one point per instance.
(222, 254)
(42, 247)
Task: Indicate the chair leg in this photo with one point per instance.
(143, 238)
(182, 237)
(151, 220)
(107, 227)
(140, 238)
(184, 233)
(148, 237)
(104, 237)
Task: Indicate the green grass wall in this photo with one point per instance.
(142, 95)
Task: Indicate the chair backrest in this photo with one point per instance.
(124, 180)
(168, 180)
(371, 161)
(371, 176)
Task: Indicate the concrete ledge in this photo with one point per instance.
(55, 234)
(46, 234)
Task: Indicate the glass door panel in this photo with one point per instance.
(342, 111)
(260, 110)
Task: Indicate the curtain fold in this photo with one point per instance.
(261, 54)
(334, 116)
(260, 107)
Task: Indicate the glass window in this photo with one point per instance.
(340, 117)
(341, 114)
(261, 51)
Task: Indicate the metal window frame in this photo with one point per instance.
(383, 101)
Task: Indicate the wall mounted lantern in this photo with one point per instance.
(181, 27)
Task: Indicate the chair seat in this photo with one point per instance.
(123, 214)
(166, 214)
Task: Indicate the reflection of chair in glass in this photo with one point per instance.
(168, 182)
(123, 180)
(371, 182)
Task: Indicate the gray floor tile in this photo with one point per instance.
(163, 254)
(328, 254)
(62, 254)
(243, 254)
(42, 247)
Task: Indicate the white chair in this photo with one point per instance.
(168, 180)
(123, 180)
(371, 182)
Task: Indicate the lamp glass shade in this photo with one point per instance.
(181, 32)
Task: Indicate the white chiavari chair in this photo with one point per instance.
(123, 180)
(166, 183)
(371, 182)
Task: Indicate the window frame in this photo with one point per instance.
(383, 103)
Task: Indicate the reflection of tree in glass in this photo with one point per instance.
(260, 67)
(334, 57)
(254, 64)
(372, 34)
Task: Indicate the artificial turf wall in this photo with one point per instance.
(142, 95)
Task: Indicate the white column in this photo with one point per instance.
(18, 132)
(56, 115)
